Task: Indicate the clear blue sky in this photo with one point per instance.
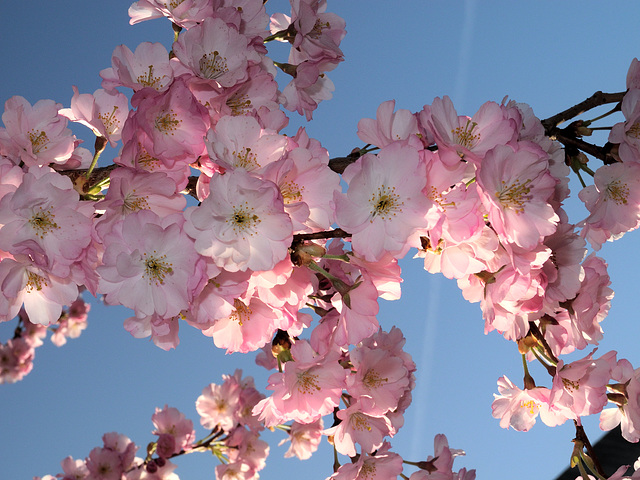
(547, 53)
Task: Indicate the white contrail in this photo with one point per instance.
(425, 362)
(464, 54)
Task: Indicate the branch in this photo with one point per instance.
(337, 233)
(595, 100)
(601, 153)
(581, 435)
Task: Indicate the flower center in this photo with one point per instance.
(291, 192)
(240, 104)
(156, 268)
(38, 140)
(368, 470)
(167, 122)
(242, 313)
(149, 80)
(246, 159)
(531, 406)
(571, 385)
(360, 422)
(111, 124)
(307, 383)
(515, 195)
(243, 220)
(385, 203)
(43, 223)
(373, 379)
(133, 203)
(618, 192)
(35, 282)
(317, 29)
(464, 136)
(212, 65)
(634, 131)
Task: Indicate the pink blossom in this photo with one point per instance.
(148, 67)
(243, 226)
(214, 51)
(519, 409)
(35, 135)
(515, 187)
(173, 122)
(185, 13)
(357, 427)
(240, 142)
(379, 380)
(461, 137)
(383, 465)
(42, 294)
(104, 112)
(307, 89)
(170, 421)
(309, 388)
(304, 439)
(150, 265)
(384, 204)
(388, 126)
(44, 216)
(580, 386)
(613, 202)
(163, 331)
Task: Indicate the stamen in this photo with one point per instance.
(385, 203)
(156, 268)
(514, 196)
(618, 192)
(464, 136)
(43, 222)
(167, 122)
(213, 65)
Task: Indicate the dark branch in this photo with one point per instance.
(595, 100)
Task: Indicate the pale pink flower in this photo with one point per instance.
(357, 427)
(214, 51)
(307, 89)
(519, 409)
(613, 202)
(461, 137)
(43, 295)
(240, 142)
(185, 13)
(163, 331)
(304, 439)
(384, 465)
(579, 388)
(147, 67)
(384, 205)
(104, 112)
(243, 226)
(388, 126)
(249, 326)
(170, 421)
(515, 187)
(173, 121)
(309, 388)
(36, 135)
(150, 265)
(379, 380)
(134, 190)
(44, 216)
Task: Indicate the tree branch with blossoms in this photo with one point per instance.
(279, 258)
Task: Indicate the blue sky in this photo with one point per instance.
(549, 54)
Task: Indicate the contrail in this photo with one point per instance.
(464, 54)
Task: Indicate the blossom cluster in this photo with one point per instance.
(259, 264)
